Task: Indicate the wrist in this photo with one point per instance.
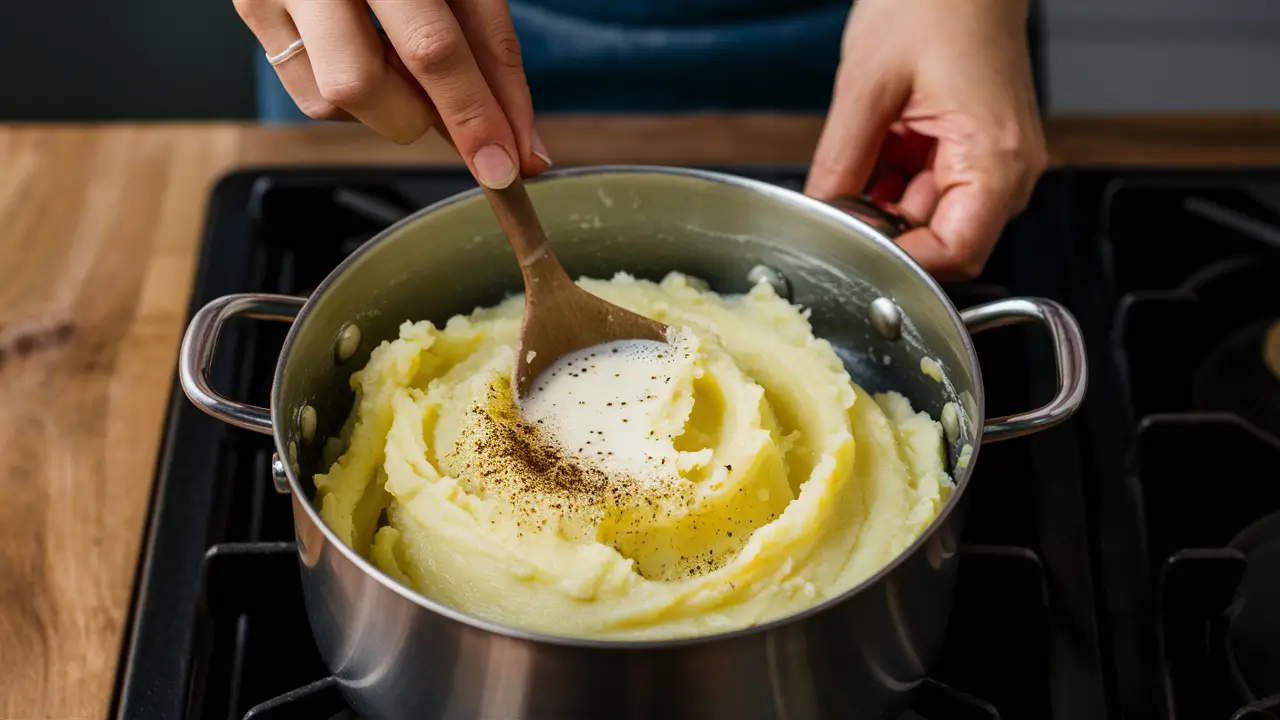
(1016, 10)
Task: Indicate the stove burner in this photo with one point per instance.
(1271, 350)
(1241, 374)
(1202, 346)
(1253, 634)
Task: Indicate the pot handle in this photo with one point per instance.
(1064, 331)
(880, 216)
(196, 354)
(1068, 350)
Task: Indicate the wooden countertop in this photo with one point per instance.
(99, 227)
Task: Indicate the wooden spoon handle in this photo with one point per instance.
(519, 221)
(517, 218)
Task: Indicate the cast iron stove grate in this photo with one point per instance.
(1188, 488)
(218, 628)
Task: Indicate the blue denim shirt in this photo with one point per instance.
(660, 56)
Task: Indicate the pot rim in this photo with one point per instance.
(799, 202)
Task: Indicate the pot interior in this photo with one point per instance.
(453, 257)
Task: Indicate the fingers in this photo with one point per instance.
(275, 31)
(863, 107)
(975, 195)
(984, 171)
(433, 47)
(486, 24)
(903, 154)
(920, 198)
(351, 73)
(430, 76)
(952, 249)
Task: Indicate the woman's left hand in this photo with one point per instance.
(934, 112)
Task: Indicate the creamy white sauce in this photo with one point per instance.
(600, 404)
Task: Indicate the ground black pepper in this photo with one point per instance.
(545, 485)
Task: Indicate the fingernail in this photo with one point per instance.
(494, 167)
(540, 150)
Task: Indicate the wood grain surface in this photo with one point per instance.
(99, 228)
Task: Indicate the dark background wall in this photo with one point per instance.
(183, 59)
(131, 59)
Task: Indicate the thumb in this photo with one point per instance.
(863, 106)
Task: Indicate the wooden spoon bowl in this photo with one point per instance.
(559, 317)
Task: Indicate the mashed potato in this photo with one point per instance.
(782, 482)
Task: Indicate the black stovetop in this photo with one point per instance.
(1123, 565)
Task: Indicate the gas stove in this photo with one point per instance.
(1124, 565)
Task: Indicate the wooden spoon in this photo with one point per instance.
(559, 317)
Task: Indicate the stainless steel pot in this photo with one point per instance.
(397, 654)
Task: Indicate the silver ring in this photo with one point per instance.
(294, 48)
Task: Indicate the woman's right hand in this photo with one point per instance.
(455, 66)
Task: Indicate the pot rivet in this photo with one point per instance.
(307, 424)
(766, 274)
(348, 342)
(278, 476)
(886, 318)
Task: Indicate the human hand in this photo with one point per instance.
(934, 112)
(455, 66)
